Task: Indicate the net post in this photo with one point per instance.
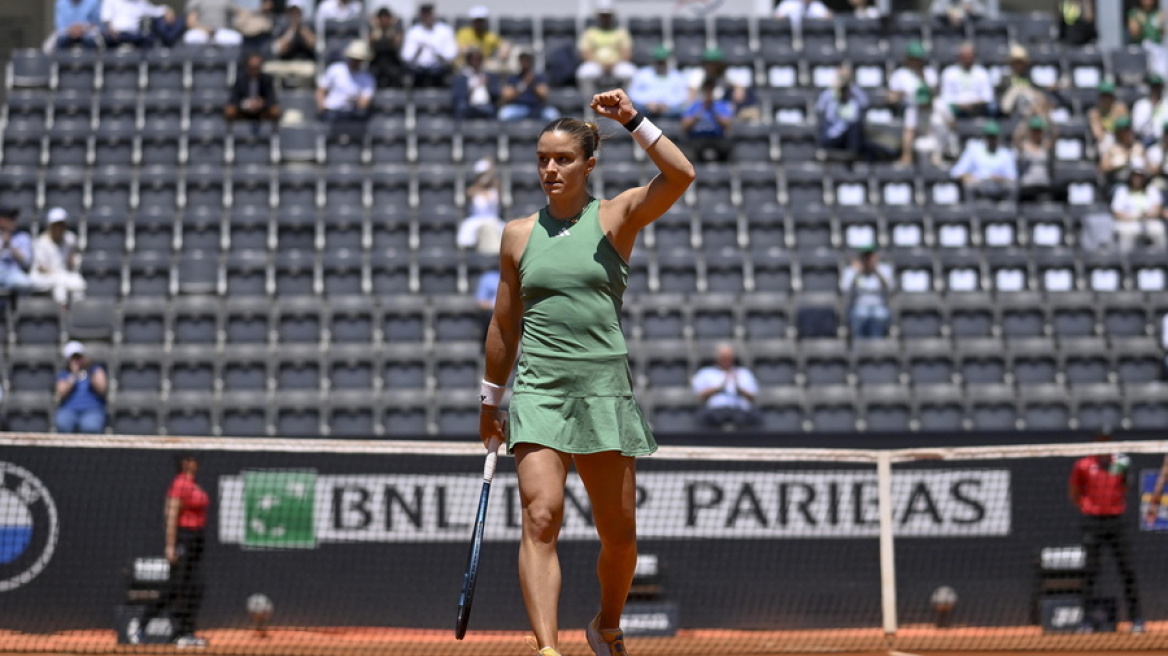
(887, 550)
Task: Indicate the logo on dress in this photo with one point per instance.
(562, 233)
(29, 526)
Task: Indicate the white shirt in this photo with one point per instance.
(343, 87)
(1148, 119)
(906, 81)
(1154, 159)
(962, 87)
(126, 15)
(333, 10)
(50, 258)
(728, 396)
(428, 44)
(1133, 203)
(797, 10)
(869, 290)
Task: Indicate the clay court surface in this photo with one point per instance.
(909, 641)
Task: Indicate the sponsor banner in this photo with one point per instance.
(1147, 485)
(29, 527)
(301, 509)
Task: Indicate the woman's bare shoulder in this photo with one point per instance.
(516, 233)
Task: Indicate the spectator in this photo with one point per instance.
(294, 47)
(385, 39)
(496, 51)
(606, 49)
(482, 229)
(864, 9)
(1137, 210)
(1149, 113)
(987, 170)
(485, 293)
(727, 393)
(796, 10)
(734, 85)
(1117, 152)
(1020, 97)
(337, 11)
(78, 23)
(253, 96)
(868, 284)
(345, 91)
(80, 392)
(525, 93)
(928, 130)
(706, 125)
(1105, 113)
(907, 80)
(256, 26)
(209, 21)
(123, 21)
(429, 49)
(169, 29)
(1076, 21)
(953, 14)
(966, 86)
(475, 91)
(15, 253)
(1145, 26)
(56, 260)
(659, 91)
(841, 118)
(1035, 154)
(1156, 162)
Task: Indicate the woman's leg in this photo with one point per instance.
(611, 481)
(542, 472)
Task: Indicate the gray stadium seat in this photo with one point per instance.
(774, 362)
(833, 408)
(353, 413)
(1097, 405)
(930, 362)
(190, 413)
(243, 413)
(37, 321)
(297, 367)
(406, 412)
(1147, 405)
(1032, 361)
(1085, 360)
(887, 408)
(193, 368)
(195, 320)
(246, 321)
(404, 317)
(91, 319)
(876, 362)
(352, 366)
(993, 407)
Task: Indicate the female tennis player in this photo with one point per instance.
(563, 275)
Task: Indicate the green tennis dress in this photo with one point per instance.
(573, 389)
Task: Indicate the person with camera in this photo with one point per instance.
(81, 390)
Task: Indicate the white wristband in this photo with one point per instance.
(646, 134)
(491, 394)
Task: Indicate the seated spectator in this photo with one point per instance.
(706, 125)
(337, 11)
(1020, 96)
(1076, 22)
(57, 260)
(606, 49)
(429, 49)
(865, 9)
(525, 94)
(1156, 162)
(78, 23)
(1146, 25)
(1105, 113)
(953, 14)
(482, 229)
(209, 22)
(928, 130)
(476, 92)
(253, 96)
(122, 22)
(796, 10)
(294, 47)
(1118, 151)
(1138, 211)
(80, 392)
(256, 25)
(735, 85)
(15, 253)
(1035, 154)
(907, 80)
(496, 52)
(169, 29)
(966, 86)
(345, 91)
(867, 285)
(1149, 113)
(385, 39)
(840, 110)
(485, 293)
(659, 91)
(987, 170)
(727, 393)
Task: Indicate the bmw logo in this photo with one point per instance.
(28, 526)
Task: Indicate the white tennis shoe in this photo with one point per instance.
(605, 642)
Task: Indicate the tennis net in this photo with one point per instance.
(325, 546)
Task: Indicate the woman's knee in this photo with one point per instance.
(542, 522)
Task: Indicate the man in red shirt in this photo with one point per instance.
(1098, 488)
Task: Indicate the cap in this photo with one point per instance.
(661, 52)
(1136, 165)
(991, 129)
(478, 11)
(358, 49)
(915, 50)
(56, 215)
(1152, 79)
(384, 11)
(713, 55)
(72, 348)
(294, 4)
(604, 6)
(426, 7)
(1019, 52)
(483, 165)
(924, 95)
(1036, 123)
(867, 248)
(1123, 123)
(9, 211)
(1107, 86)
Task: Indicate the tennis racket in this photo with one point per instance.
(466, 598)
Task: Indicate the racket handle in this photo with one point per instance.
(492, 459)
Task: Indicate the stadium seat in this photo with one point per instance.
(190, 413)
(930, 361)
(33, 368)
(919, 315)
(29, 68)
(1045, 406)
(246, 321)
(139, 368)
(971, 314)
(1137, 359)
(993, 407)
(114, 142)
(1084, 360)
(833, 408)
(1147, 405)
(91, 319)
(824, 362)
(353, 413)
(244, 369)
(1072, 314)
(1124, 314)
(297, 368)
(1023, 314)
(1032, 361)
(147, 274)
(982, 361)
(243, 413)
(405, 412)
(876, 362)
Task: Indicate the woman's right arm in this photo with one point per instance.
(172, 508)
(503, 333)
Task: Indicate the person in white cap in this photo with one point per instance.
(339, 11)
(57, 260)
(80, 392)
(429, 49)
(496, 51)
(345, 91)
(482, 229)
(606, 49)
